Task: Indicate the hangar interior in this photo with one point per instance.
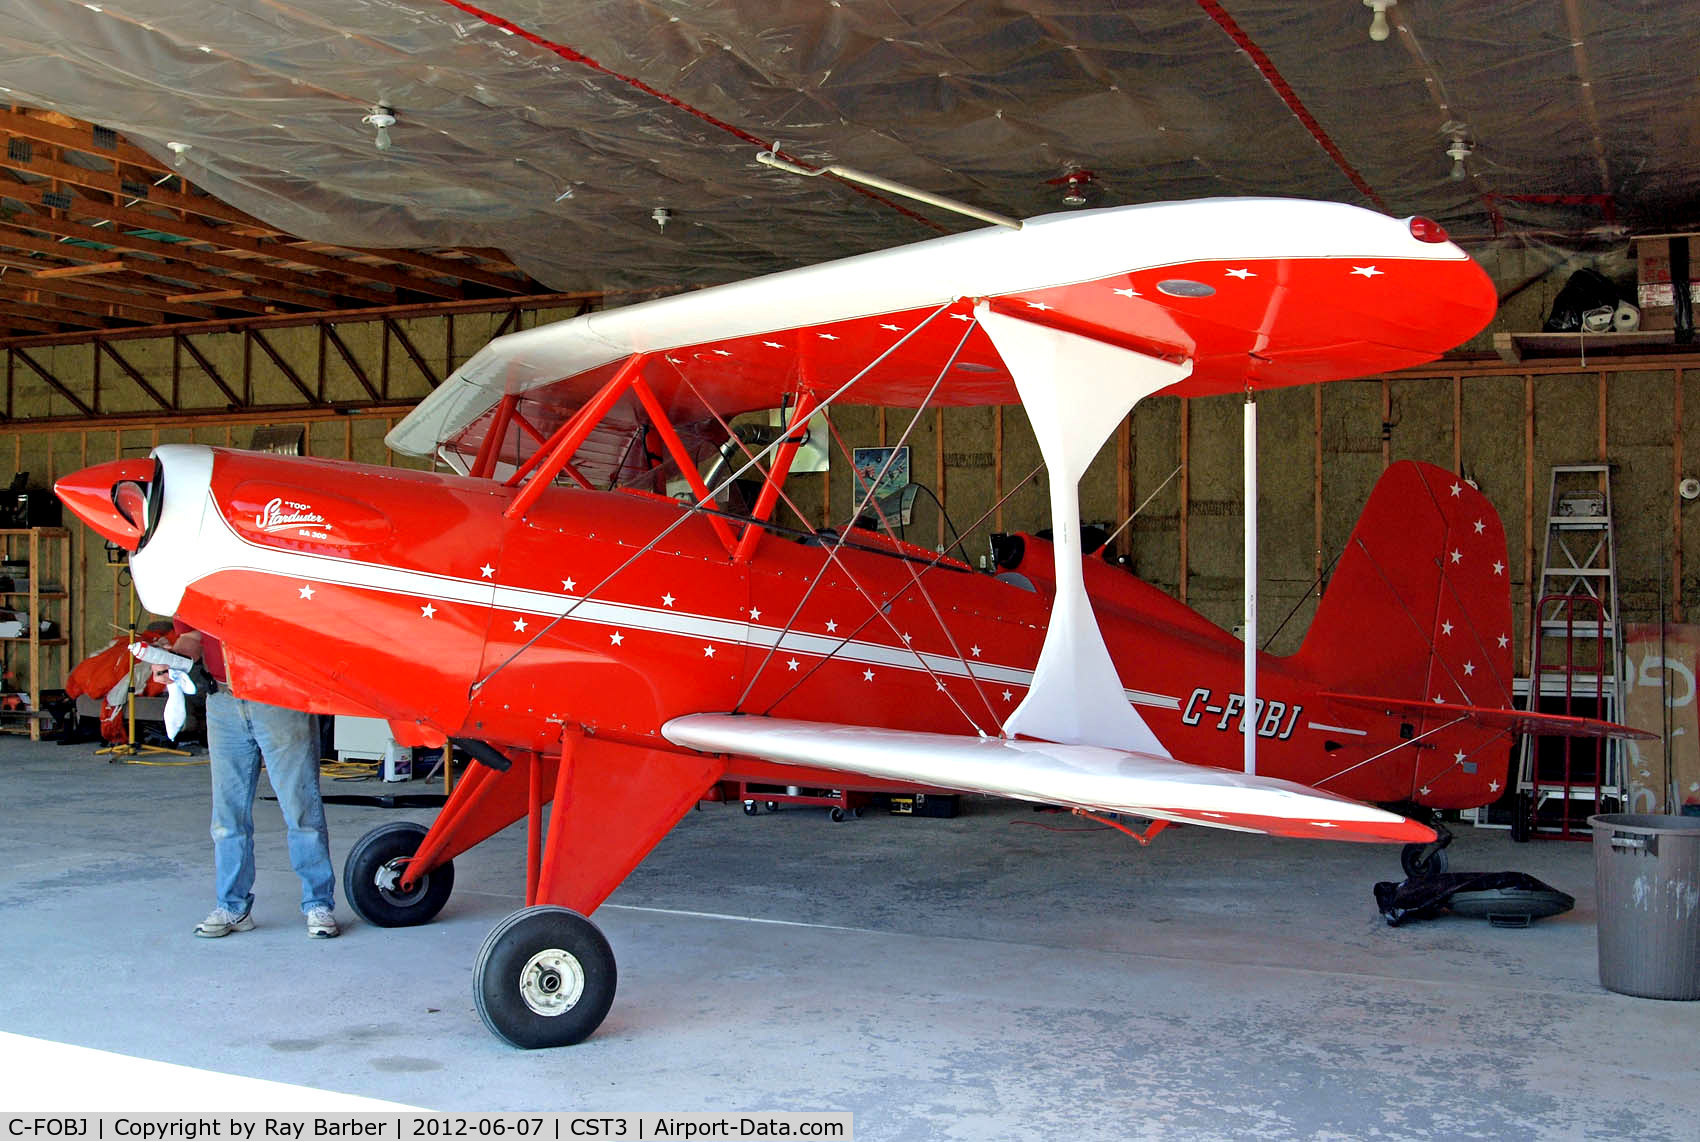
(223, 219)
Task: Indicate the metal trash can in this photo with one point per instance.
(1647, 870)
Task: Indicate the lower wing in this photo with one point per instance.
(1080, 776)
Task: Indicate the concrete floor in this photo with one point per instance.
(981, 978)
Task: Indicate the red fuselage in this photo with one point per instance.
(385, 592)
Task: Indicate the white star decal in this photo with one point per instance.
(708, 652)
(1367, 272)
(1459, 756)
(1037, 305)
(306, 591)
(486, 570)
(829, 337)
(616, 639)
(1325, 824)
(1446, 627)
(1457, 488)
(1424, 791)
(1469, 668)
(906, 638)
(975, 651)
(1493, 787)
(1241, 274)
(867, 675)
(568, 584)
(1481, 526)
(1007, 695)
(1438, 700)
(427, 611)
(831, 625)
(667, 600)
(1457, 555)
(1498, 568)
(962, 317)
(773, 344)
(793, 664)
(1504, 642)
(940, 682)
(519, 625)
(891, 328)
(1128, 293)
(722, 353)
(755, 614)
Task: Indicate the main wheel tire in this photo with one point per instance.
(545, 978)
(372, 873)
(1418, 860)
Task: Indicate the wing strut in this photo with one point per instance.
(1249, 728)
(1075, 390)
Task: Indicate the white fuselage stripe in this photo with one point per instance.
(1328, 729)
(225, 550)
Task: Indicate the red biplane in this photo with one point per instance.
(615, 652)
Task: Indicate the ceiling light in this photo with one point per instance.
(1458, 150)
(177, 151)
(1073, 195)
(661, 214)
(381, 117)
(1378, 27)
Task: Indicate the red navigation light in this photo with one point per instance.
(1427, 230)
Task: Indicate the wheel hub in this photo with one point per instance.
(551, 981)
(388, 879)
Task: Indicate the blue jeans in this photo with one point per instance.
(239, 733)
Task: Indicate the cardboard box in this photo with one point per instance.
(1653, 290)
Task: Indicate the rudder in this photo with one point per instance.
(1419, 609)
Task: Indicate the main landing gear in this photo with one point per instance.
(371, 878)
(545, 978)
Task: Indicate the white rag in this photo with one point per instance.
(180, 687)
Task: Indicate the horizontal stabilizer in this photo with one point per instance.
(1497, 718)
(1081, 776)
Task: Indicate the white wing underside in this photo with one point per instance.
(1080, 776)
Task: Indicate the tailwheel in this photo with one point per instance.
(545, 978)
(371, 878)
(1429, 859)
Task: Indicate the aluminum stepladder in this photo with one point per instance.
(1575, 661)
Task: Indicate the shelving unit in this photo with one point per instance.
(44, 593)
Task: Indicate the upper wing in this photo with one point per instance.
(1085, 777)
(1268, 292)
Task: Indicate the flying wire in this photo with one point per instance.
(697, 507)
(833, 558)
(934, 563)
(1141, 506)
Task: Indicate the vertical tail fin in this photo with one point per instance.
(1419, 609)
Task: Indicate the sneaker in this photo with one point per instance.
(321, 925)
(222, 921)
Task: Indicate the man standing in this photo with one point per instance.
(239, 734)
